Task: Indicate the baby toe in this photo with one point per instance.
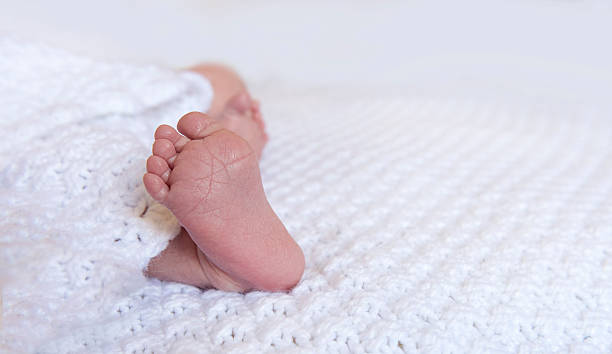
(256, 114)
(240, 103)
(167, 132)
(164, 149)
(196, 125)
(158, 166)
(155, 185)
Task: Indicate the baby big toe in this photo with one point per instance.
(196, 125)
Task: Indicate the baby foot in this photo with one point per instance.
(209, 178)
(242, 116)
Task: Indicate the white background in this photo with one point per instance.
(560, 50)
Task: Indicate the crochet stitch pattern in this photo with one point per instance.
(428, 224)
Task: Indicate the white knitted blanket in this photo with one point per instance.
(428, 224)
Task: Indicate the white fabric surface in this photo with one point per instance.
(428, 224)
(75, 233)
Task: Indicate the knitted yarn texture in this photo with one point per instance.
(428, 224)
